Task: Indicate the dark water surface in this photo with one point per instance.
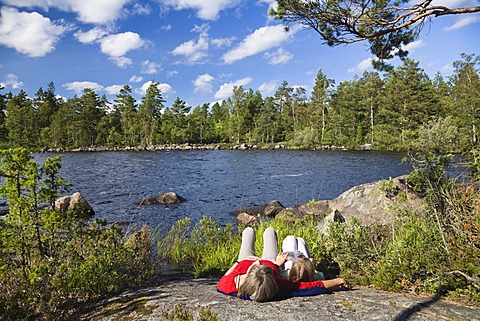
(216, 182)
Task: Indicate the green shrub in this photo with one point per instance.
(208, 247)
(182, 313)
(50, 261)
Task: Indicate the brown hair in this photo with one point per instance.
(302, 270)
(259, 284)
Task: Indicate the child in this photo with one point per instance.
(299, 265)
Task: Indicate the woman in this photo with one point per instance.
(259, 278)
(299, 265)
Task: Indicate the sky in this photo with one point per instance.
(197, 50)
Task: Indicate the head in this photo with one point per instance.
(259, 283)
(302, 270)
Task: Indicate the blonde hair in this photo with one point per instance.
(259, 284)
(302, 270)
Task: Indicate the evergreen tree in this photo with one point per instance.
(409, 101)
(221, 122)
(239, 113)
(198, 125)
(180, 111)
(283, 105)
(92, 110)
(348, 115)
(268, 122)
(3, 106)
(21, 121)
(253, 104)
(319, 103)
(66, 124)
(466, 95)
(372, 85)
(149, 114)
(46, 105)
(125, 106)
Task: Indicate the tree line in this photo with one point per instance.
(401, 109)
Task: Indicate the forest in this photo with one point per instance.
(395, 110)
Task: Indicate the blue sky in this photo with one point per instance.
(196, 49)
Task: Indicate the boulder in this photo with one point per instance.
(291, 214)
(335, 216)
(247, 219)
(270, 209)
(166, 199)
(376, 202)
(372, 202)
(72, 202)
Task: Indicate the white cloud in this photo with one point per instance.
(193, 51)
(279, 57)
(464, 21)
(141, 9)
(88, 11)
(121, 62)
(150, 67)
(223, 42)
(412, 46)
(172, 74)
(447, 69)
(165, 89)
(119, 44)
(363, 65)
(136, 79)
(28, 33)
(113, 90)
(166, 27)
(260, 40)
(206, 9)
(268, 87)
(78, 86)
(203, 84)
(91, 35)
(226, 89)
(12, 81)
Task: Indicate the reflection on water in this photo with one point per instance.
(217, 182)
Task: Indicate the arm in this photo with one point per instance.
(232, 268)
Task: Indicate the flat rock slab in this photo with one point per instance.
(359, 304)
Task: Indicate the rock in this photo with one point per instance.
(149, 304)
(247, 219)
(74, 201)
(167, 198)
(316, 208)
(273, 208)
(291, 214)
(372, 202)
(270, 209)
(335, 216)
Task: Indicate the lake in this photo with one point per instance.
(217, 182)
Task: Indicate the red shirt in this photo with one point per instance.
(226, 284)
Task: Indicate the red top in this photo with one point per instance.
(226, 284)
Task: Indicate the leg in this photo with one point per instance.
(248, 243)
(270, 244)
(302, 247)
(289, 244)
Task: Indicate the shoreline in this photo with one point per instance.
(187, 147)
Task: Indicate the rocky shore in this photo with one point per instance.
(187, 146)
(147, 304)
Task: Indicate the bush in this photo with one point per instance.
(50, 260)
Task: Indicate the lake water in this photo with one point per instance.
(217, 182)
